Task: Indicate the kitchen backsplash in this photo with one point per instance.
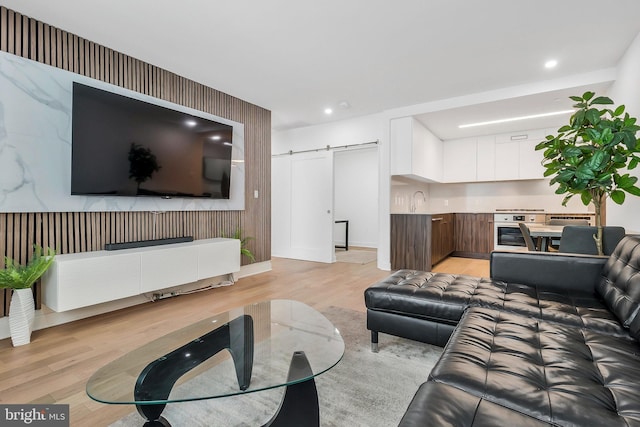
(406, 196)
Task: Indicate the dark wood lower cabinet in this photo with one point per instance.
(473, 235)
(442, 237)
(420, 241)
(411, 242)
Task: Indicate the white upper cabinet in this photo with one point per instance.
(486, 161)
(530, 159)
(507, 159)
(516, 155)
(460, 160)
(504, 157)
(415, 151)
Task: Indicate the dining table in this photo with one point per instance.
(546, 233)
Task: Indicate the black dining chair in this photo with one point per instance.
(579, 239)
(554, 243)
(531, 245)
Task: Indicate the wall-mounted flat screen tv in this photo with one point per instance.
(126, 147)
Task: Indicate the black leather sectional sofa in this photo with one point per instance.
(549, 339)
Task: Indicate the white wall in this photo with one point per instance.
(356, 196)
(346, 132)
(626, 90)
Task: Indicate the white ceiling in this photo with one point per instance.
(298, 57)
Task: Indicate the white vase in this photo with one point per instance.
(21, 315)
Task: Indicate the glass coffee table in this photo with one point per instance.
(277, 343)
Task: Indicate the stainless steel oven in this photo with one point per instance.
(507, 234)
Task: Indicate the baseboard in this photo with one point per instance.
(475, 255)
(253, 269)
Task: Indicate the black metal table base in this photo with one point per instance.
(299, 406)
(158, 377)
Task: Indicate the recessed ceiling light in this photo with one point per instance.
(227, 144)
(513, 119)
(550, 63)
(190, 123)
(216, 137)
(328, 111)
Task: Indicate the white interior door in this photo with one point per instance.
(302, 206)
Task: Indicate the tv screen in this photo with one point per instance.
(126, 147)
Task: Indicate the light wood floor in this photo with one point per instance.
(56, 365)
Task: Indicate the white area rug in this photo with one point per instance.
(365, 389)
(356, 256)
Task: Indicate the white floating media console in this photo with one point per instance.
(88, 278)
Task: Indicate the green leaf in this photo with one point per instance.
(633, 190)
(601, 100)
(16, 276)
(576, 98)
(593, 116)
(618, 111)
(541, 145)
(629, 141)
(618, 196)
(571, 151)
(598, 160)
(587, 95)
(566, 175)
(626, 180)
(584, 173)
(585, 196)
(633, 163)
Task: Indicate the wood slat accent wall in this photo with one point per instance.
(70, 232)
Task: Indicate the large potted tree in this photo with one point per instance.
(591, 156)
(20, 278)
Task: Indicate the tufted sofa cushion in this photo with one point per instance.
(620, 282)
(428, 295)
(558, 374)
(437, 404)
(444, 297)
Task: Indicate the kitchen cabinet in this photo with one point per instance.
(503, 157)
(411, 241)
(420, 241)
(442, 237)
(530, 159)
(460, 160)
(473, 234)
(486, 159)
(516, 156)
(415, 152)
(507, 164)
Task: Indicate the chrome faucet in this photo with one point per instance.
(412, 208)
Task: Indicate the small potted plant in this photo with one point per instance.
(243, 243)
(20, 278)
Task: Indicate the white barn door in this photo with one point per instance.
(302, 206)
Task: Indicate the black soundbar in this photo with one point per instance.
(143, 243)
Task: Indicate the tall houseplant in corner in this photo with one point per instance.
(20, 278)
(590, 156)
